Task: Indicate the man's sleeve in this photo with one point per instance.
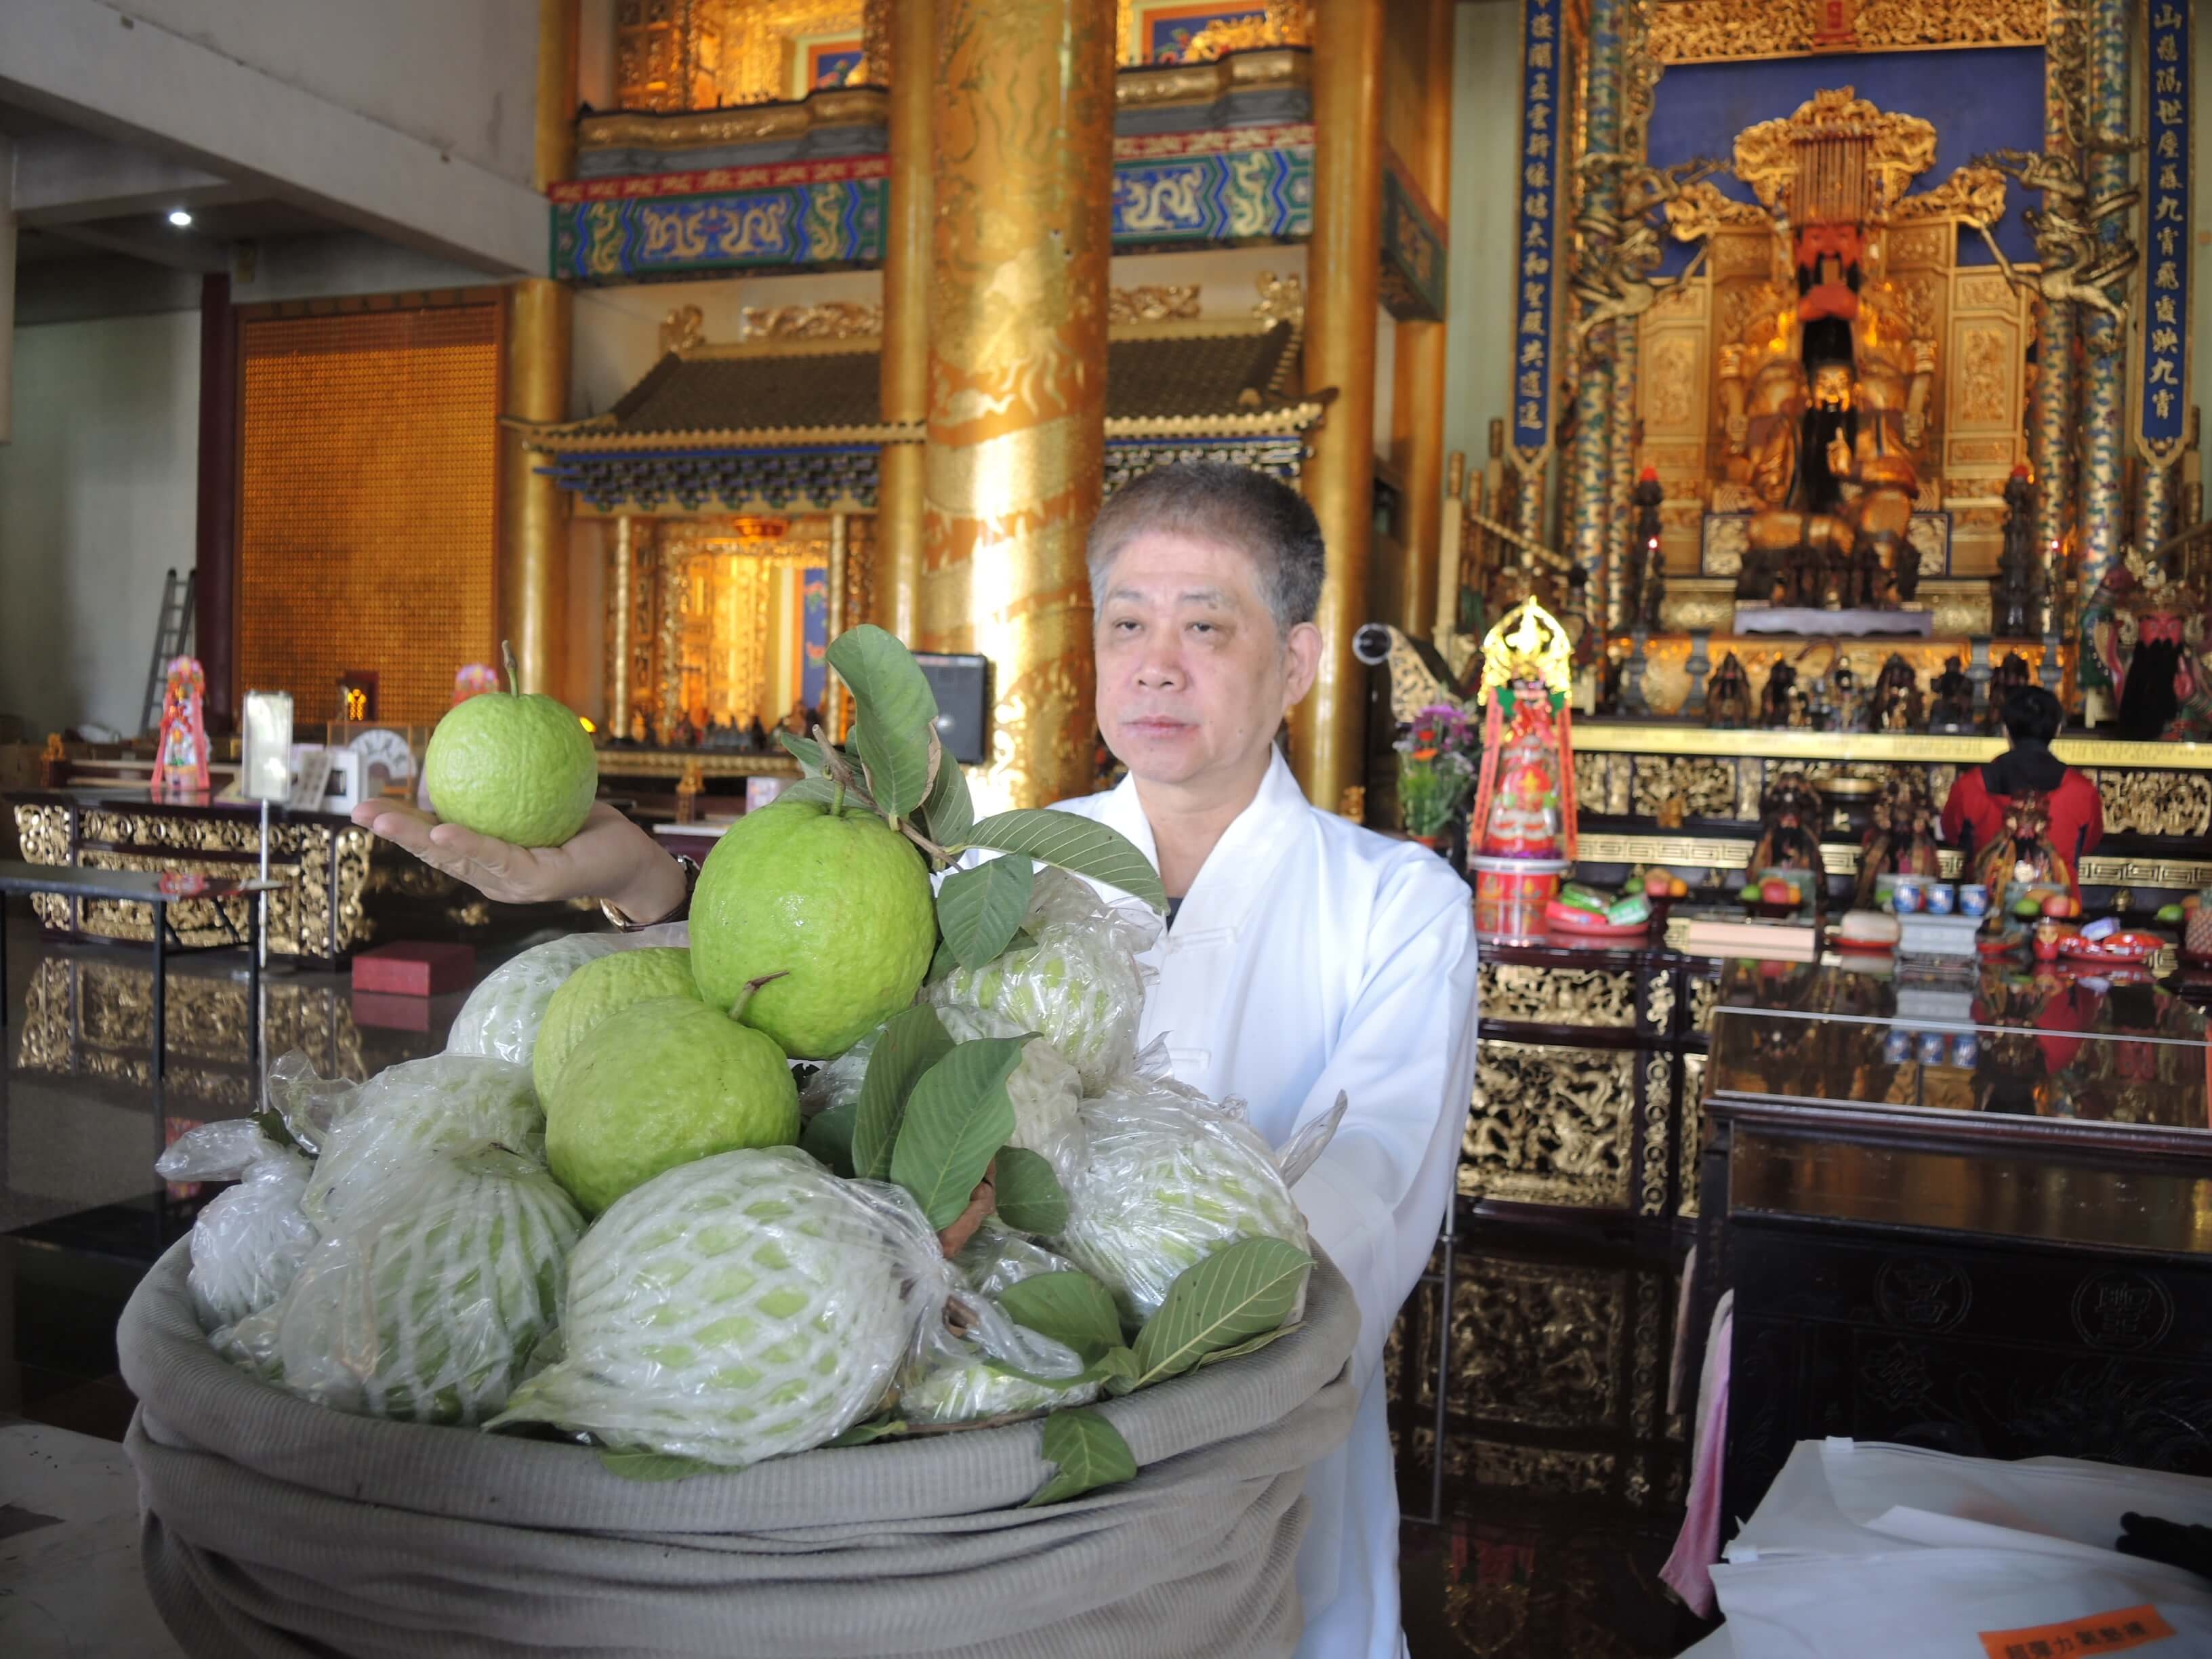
(1405, 1060)
(2092, 813)
(1959, 803)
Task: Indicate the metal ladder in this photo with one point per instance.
(171, 633)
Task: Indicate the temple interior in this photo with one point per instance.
(1722, 415)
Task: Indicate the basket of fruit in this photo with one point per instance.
(830, 1277)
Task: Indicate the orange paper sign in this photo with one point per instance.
(2073, 1639)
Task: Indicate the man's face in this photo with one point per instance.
(1194, 677)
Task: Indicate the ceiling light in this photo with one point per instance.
(179, 218)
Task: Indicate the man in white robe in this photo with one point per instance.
(1305, 956)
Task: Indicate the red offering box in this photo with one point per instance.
(391, 1014)
(414, 968)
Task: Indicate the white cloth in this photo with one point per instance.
(1310, 956)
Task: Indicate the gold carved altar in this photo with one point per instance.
(1932, 372)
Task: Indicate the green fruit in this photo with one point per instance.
(660, 1083)
(735, 1308)
(599, 988)
(838, 905)
(2170, 914)
(518, 768)
(2029, 908)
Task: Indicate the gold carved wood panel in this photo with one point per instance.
(2156, 803)
(1705, 786)
(1550, 1126)
(1557, 996)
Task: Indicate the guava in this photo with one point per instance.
(600, 988)
(837, 904)
(410, 1114)
(518, 768)
(502, 1015)
(659, 1084)
(737, 1308)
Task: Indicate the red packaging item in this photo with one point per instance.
(388, 1013)
(414, 968)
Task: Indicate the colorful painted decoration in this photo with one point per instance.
(181, 751)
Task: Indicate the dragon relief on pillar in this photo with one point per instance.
(1827, 362)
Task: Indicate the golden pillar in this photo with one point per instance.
(621, 578)
(834, 623)
(906, 319)
(555, 159)
(533, 511)
(1022, 137)
(1417, 420)
(1343, 273)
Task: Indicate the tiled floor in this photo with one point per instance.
(1563, 1468)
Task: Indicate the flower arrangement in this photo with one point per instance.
(1437, 755)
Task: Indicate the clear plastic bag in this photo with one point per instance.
(310, 1105)
(410, 1113)
(738, 1307)
(1169, 1181)
(979, 1372)
(837, 1082)
(501, 1016)
(426, 1306)
(1080, 985)
(1045, 1090)
(248, 1242)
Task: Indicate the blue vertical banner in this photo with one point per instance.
(814, 633)
(2163, 420)
(1543, 148)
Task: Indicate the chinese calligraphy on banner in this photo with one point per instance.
(1542, 148)
(2164, 418)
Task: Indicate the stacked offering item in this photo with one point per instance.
(1522, 831)
(607, 1216)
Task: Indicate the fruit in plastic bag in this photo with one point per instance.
(1079, 986)
(660, 1083)
(601, 986)
(1045, 1091)
(838, 904)
(249, 1240)
(512, 765)
(426, 1307)
(412, 1112)
(967, 1380)
(1168, 1182)
(737, 1308)
(502, 1015)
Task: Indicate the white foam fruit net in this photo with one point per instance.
(740, 1307)
(411, 1112)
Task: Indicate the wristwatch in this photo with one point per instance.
(623, 923)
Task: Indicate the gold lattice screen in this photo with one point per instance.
(369, 504)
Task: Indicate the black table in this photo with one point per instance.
(158, 890)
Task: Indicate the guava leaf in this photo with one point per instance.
(1241, 1290)
(950, 812)
(1072, 1309)
(1076, 844)
(654, 1465)
(888, 688)
(805, 751)
(913, 1040)
(1252, 1346)
(957, 1120)
(943, 963)
(1030, 1197)
(1087, 1451)
(827, 792)
(876, 1428)
(828, 1136)
(979, 909)
(896, 763)
(1116, 1370)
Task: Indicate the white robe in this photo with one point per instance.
(1312, 956)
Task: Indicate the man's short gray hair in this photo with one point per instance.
(1228, 506)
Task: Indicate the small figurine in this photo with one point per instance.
(1900, 837)
(53, 764)
(1952, 709)
(2013, 674)
(758, 734)
(1783, 703)
(1790, 833)
(638, 734)
(688, 787)
(1524, 803)
(1728, 696)
(2013, 594)
(180, 752)
(686, 735)
(1845, 695)
(1647, 574)
(1897, 702)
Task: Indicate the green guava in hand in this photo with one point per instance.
(659, 1084)
(837, 904)
(597, 990)
(517, 767)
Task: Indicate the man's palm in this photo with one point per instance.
(605, 858)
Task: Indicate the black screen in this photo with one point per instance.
(962, 686)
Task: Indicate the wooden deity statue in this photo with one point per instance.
(1953, 709)
(1900, 837)
(1783, 703)
(2149, 631)
(1728, 696)
(2013, 595)
(180, 749)
(1647, 576)
(1846, 697)
(1524, 799)
(1897, 702)
(1790, 834)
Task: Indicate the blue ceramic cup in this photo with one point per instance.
(1973, 899)
(1943, 896)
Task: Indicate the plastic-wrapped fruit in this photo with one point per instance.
(410, 1113)
(249, 1239)
(502, 1015)
(736, 1308)
(1168, 1182)
(1080, 985)
(1044, 1089)
(601, 986)
(426, 1306)
(955, 1382)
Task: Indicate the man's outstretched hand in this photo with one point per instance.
(610, 858)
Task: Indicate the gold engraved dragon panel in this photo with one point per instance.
(1550, 1126)
(1557, 996)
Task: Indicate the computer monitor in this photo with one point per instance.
(962, 685)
